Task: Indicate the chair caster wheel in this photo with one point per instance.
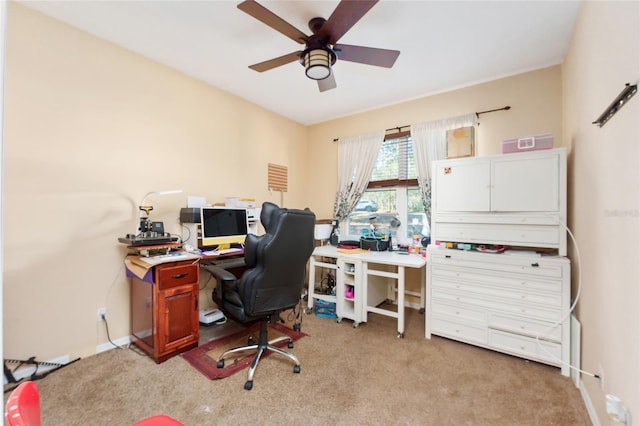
(355, 325)
(296, 369)
(400, 335)
(290, 344)
(248, 385)
(220, 364)
(338, 320)
(250, 341)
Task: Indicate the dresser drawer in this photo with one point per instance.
(501, 293)
(483, 276)
(459, 330)
(525, 326)
(528, 235)
(495, 304)
(459, 312)
(526, 346)
(495, 263)
(174, 275)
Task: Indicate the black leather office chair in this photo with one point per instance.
(273, 281)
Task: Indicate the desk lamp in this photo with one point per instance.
(145, 222)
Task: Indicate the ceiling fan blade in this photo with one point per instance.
(267, 17)
(276, 62)
(328, 83)
(366, 55)
(345, 15)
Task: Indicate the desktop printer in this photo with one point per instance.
(210, 316)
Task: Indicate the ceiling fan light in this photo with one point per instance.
(317, 64)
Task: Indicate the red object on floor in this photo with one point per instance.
(23, 406)
(160, 420)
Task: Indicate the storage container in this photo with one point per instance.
(528, 143)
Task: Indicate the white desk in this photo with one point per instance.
(369, 273)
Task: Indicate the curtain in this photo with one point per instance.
(357, 156)
(429, 144)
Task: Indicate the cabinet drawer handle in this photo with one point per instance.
(178, 276)
(448, 256)
(535, 265)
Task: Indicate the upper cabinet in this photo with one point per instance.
(511, 199)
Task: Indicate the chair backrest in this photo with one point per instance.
(276, 280)
(23, 406)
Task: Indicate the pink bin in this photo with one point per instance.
(528, 143)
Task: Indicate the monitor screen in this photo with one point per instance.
(222, 226)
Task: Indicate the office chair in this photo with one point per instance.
(273, 281)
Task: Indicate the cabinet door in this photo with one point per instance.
(462, 186)
(527, 184)
(177, 317)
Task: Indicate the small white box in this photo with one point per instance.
(231, 202)
(210, 316)
(528, 143)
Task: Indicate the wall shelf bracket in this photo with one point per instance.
(624, 96)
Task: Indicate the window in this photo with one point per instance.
(392, 203)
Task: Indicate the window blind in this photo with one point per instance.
(277, 177)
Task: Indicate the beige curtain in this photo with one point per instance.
(356, 158)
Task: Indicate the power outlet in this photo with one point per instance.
(102, 314)
(601, 376)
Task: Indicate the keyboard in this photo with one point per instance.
(160, 258)
(225, 251)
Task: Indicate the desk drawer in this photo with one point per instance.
(174, 275)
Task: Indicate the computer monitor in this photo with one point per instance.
(223, 226)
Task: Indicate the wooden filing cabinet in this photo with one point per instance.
(164, 313)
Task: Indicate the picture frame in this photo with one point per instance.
(461, 142)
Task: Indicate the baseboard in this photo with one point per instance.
(576, 333)
(123, 341)
(587, 402)
(26, 370)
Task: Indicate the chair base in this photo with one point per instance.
(261, 348)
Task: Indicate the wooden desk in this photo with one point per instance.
(164, 309)
(370, 275)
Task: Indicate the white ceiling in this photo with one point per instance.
(444, 45)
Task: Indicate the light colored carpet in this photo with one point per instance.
(349, 376)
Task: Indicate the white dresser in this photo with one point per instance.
(509, 303)
(513, 303)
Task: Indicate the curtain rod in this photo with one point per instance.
(505, 108)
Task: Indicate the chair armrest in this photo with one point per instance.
(220, 274)
(226, 286)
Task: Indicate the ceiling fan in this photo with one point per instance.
(321, 49)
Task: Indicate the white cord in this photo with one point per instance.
(571, 308)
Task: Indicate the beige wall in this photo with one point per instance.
(536, 106)
(90, 129)
(604, 197)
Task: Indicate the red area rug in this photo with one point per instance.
(205, 358)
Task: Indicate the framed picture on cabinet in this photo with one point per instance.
(461, 142)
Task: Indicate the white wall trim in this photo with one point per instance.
(587, 402)
(123, 341)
